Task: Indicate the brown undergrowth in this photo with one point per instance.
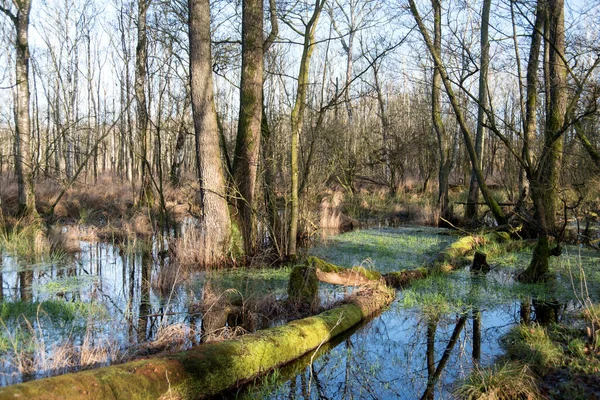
(105, 201)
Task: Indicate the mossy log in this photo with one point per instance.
(403, 278)
(450, 257)
(330, 273)
(360, 276)
(211, 368)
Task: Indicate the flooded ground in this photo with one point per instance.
(435, 331)
(111, 303)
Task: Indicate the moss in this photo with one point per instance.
(324, 266)
(367, 273)
(532, 345)
(402, 278)
(303, 287)
(453, 255)
(501, 237)
(210, 368)
(236, 242)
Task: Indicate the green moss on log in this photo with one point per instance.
(451, 257)
(367, 273)
(401, 279)
(211, 368)
(322, 265)
(330, 273)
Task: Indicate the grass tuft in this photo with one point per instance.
(531, 344)
(508, 381)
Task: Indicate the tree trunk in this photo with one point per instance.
(23, 160)
(215, 222)
(141, 57)
(247, 146)
(445, 147)
(545, 178)
(471, 211)
(298, 119)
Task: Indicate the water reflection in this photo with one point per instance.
(400, 354)
(126, 300)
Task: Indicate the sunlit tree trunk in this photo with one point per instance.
(445, 145)
(544, 184)
(247, 146)
(141, 58)
(23, 160)
(471, 211)
(215, 220)
(298, 119)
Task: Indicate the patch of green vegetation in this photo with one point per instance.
(387, 250)
(251, 282)
(67, 284)
(532, 345)
(507, 381)
(55, 310)
(26, 241)
(236, 242)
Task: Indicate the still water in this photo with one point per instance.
(110, 303)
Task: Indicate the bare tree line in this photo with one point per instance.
(266, 105)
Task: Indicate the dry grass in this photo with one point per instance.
(36, 357)
(168, 277)
(331, 215)
(65, 239)
(169, 338)
(108, 203)
(187, 249)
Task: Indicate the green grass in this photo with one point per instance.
(384, 250)
(252, 282)
(67, 284)
(531, 344)
(57, 311)
(505, 381)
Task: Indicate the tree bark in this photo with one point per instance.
(141, 58)
(445, 147)
(471, 211)
(247, 146)
(23, 160)
(215, 222)
(545, 178)
(298, 119)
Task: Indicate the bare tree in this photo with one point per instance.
(297, 117)
(215, 220)
(19, 16)
(245, 163)
(471, 210)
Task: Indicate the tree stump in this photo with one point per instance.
(480, 264)
(303, 288)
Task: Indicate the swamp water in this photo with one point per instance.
(110, 303)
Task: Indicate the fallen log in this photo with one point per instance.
(452, 256)
(336, 275)
(210, 368)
